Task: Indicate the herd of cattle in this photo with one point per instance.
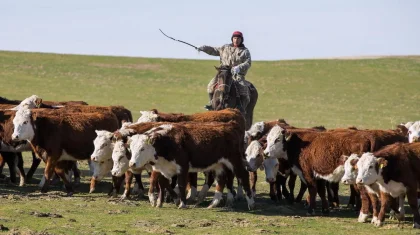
(381, 167)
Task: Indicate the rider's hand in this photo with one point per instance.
(235, 70)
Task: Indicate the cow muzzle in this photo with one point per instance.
(359, 181)
(132, 164)
(270, 180)
(15, 137)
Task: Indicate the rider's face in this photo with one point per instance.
(236, 41)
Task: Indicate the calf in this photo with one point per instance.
(176, 149)
(56, 136)
(396, 170)
(316, 156)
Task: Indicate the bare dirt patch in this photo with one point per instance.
(153, 67)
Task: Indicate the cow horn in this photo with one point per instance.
(288, 137)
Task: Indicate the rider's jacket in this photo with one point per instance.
(231, 56)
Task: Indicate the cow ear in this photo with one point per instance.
(38, 102)
(382, 162)
(354, 163)
(288, 136)
(151, 139)
(343, 159)
(129, 140)
(402, 130)
(154, 111)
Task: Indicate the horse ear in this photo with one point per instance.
(217, 68)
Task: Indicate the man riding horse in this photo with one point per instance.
(236, 56)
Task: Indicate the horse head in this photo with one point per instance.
(224, 83)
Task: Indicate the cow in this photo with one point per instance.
(317, 155)
(225, 115)
(57, 135)
(176, 149)
(395, 169)
(414, 132)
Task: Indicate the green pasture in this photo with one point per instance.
(366, 93)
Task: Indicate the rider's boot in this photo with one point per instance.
(209, 105)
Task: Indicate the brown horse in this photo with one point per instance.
(226, 94)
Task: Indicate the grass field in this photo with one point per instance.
(366, 93)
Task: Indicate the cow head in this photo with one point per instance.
(103, 146)
(30, 103)
(350, 169)
(256, 130)
(271, 167)
(101, 169)
(142, 150)
(276, 140)
(120, 159)
(24, 127)
(414, 132)
(148, 116)
(369, 169)
(254, 155)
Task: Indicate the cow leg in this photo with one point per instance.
(48, 174)
(321, 192)
(207, 185)
(302, 191)
(182, 184)
(2, 163)
(365, 204)
(35, 163)
(61, 172)
(332, 190)
(312, 196)
(384, 203)
(138, 187)
(230, 198)
(374, 200)
(128, 180)
(273, 191)
(243, 178)
(92, 185)
(353, 196)
(21, 169)
(163, 183)
(11, 161)
(253, 176)
(218, 193)
(281, 187)
(192, 189)
(153, 183)
(116, 185)
(394, 203)
(76, 174)
(412, 201)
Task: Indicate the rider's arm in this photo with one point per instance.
(211, 50)
(243, 67)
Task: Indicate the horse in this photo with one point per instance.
(226, 94)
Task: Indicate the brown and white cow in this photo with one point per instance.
(57, 135)
(318, 155)
(176, 149)
(395, 169)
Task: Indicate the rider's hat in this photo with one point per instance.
(237, 34)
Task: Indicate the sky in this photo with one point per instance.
(273, 29)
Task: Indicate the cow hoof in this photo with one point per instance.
(135, 189)
(177, 201)
(378, 223)
(400, 216)
(70, 194)
(22, 182)
(362, 218)
(310, 212)
(229, 200)
(192, 194)
(91, 190)
(416, 225)
(374, 220)
(123, 197)
(216, 199)
(239, 194)
(182, 205)
(159, 203)
(251, 203)
(152, 199)
(325, 212)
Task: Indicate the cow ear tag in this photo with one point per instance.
(381, 166)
